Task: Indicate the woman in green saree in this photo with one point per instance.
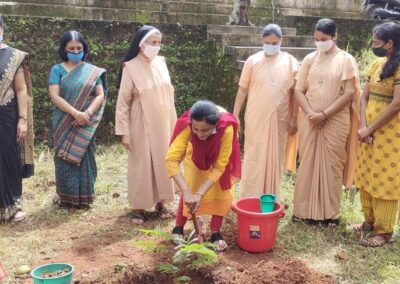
(78, 90)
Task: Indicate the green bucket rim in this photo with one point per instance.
(55, 263)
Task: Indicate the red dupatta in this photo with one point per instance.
(205, 153)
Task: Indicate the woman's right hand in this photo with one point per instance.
(81, 118)
(126, 141)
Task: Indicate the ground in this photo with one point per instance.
(99, 242)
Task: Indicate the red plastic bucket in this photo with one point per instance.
(256, 231)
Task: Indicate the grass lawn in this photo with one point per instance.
(50, 232)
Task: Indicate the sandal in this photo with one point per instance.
(377, 240)
(19, 216)
(177, 235)
(218, 241)
(332, 223)
(364, 227)
(163, 212)
(138, 217)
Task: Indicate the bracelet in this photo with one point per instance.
(324, 114)
(24, 117)
(199, 193)
(371, 129)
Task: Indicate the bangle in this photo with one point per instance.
(324, 114)
(371, 129)
(24, 117)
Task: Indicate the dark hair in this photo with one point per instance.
(66, 38)
(272, 29)
(326, 26)
(134, 48)
(385, 32)
(205, 111)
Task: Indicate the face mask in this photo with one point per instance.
(324, 46)
(151, 51)
(75, 57)
(271, 49)
(379, 51)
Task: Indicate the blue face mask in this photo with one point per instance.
(75, 57)
(271, 49)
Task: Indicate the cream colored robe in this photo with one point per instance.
(269, 80)
(146, 112)
(327, 155)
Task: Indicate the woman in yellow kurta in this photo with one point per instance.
(206, 140)
(327, 90)
(378, 169)
(267, 81)
(145, 118)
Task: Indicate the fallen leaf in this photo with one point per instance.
(341, 255)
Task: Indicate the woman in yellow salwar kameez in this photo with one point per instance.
(327, 90)
(378, 163)
(205, 139)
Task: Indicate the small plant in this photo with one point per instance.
(194, 255)
(168, 268)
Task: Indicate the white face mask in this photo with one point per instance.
(151, 51)
(324, 46)
(271, 49)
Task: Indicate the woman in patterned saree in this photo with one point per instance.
(78, 90)
(16, 143)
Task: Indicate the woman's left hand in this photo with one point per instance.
(364, 133)
(22, 129)
(316, 118)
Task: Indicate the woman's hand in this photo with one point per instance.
(196, 202)
(365, 135)
(126, 141)
(81, 118)
(293, 125)
(22, 129)
(316, 118)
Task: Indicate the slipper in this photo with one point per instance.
(332, 223)
(138, 217)
(56, 199)
(377, 240)
(364, 227)
(163, 212)
(218, 241)
(177, 235)
(19, 216)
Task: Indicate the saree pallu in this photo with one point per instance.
(74, 159)
(16, 160)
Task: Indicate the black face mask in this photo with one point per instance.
(379, 51)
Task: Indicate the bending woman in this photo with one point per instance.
(207, 143)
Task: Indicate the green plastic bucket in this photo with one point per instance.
(64, 279)
(267, 203)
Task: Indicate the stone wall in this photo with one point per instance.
(198, 68)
